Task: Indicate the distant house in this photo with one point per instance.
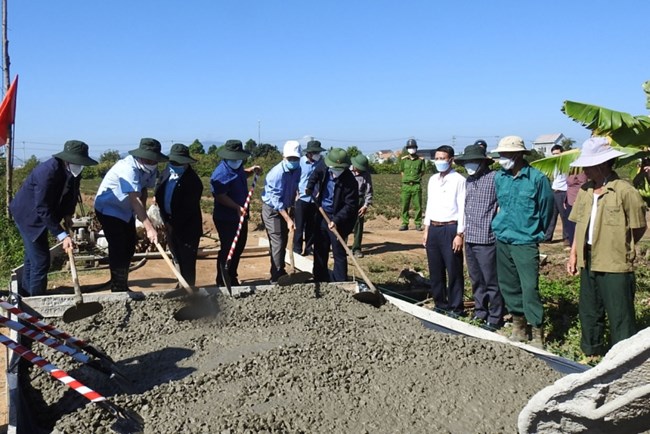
(545, 142)
(382, 156)
(427, 154)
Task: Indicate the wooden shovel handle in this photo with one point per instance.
(348, 251)
(75, 278)
(178, 275)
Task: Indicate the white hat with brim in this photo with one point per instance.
(511, 144)
(596, 150)
(291, 149)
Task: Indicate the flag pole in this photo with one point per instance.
(10, 140)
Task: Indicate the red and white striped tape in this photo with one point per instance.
(49, 329)
(40, 337)
(241, 220)
(48, 367)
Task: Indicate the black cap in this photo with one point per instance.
(481, 143)
(411, 143)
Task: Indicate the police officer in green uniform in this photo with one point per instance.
(412, 167)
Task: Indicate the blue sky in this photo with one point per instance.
(363, 73)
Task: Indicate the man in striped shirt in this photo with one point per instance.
(480, 243)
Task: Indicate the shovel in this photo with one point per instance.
(373, 296)
(80, 310)
(199, 309)
(225, 269)
(293, 278)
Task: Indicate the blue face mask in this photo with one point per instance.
(291, 165)
(441, 165)
(176, 170)
(234, 164)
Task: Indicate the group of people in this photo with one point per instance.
(497, 218)
(500, 217)
(305, 198)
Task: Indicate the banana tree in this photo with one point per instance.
(627, 133)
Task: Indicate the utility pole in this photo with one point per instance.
(9, 155)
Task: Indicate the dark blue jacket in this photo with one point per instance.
(48, 194)
(345, 200)
(186, 219)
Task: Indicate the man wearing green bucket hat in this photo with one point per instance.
(338, 195)
(178, 195)
(229, 184)
(121, 197)
(361, 171)
(48, 195)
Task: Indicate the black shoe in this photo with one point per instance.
(419, 228)
(491, 326)
(403, 228)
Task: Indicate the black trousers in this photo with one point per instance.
(185, 248)
(121, 238)
(227, 231)
(305, 214)
(324, 239)
(445, 269)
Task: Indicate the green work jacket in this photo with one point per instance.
(412, 169)
(620, 209)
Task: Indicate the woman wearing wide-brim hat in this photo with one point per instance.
(229, 185)
(48, 195)
(121, 197)
(178, 195)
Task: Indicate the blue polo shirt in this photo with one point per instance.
(280, 187)
(306, 169)
(232, 183)
(123, 178)
(328, 194)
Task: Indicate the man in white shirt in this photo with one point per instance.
(559, 187)
(443, 233)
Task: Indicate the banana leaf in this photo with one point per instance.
(623, 128)
(560, 163)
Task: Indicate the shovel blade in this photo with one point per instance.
(369, 297)
(126, 421)
(294, 278)
(180, 292)
(225, 276)
(81, 311)
(196, 310)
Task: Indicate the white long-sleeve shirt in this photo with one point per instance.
(446, 199)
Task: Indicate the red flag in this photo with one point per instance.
(8, 111)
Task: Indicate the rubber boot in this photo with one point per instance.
(537, 340)
(518, 329)
(120, 283)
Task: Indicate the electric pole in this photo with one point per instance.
(9, 155)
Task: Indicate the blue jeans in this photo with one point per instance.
(36, 266)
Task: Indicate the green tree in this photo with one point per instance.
(567, 143)
(30, 164)
(266, 150)
(197, 147)
(110, 156)
(213, 149)
(352, 151)
(250, 145)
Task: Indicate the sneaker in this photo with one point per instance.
(403, 228)
(418, 228)
(358, 254)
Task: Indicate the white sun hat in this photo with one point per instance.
(291, 149)
(596, 150)
(512, 144)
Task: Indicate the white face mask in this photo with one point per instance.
(411, 151)
(506, 163)
(234, 164)
(315, 157)
(147, 168)
(441, 165)
(336, 171)
(472, 168)
(75, 169)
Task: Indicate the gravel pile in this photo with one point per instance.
(294, 359)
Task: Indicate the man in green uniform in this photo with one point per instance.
(412, 167)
